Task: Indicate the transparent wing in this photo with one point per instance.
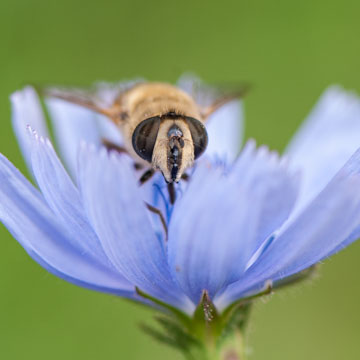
(103, 98)
(209, 97)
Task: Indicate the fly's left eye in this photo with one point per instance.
(198, 134)
(144, 137)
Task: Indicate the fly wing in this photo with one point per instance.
(101, 98)
(76, 96)
(223, 99)
(209, 97)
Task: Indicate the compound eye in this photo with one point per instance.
(199, 136)
(144, 137)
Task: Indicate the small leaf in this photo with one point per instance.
(177, 332)
(174, 335)
(266, 291)
(181, 316)
(159, 336)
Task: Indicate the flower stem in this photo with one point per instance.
(234, 348)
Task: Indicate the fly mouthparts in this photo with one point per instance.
(174, 172)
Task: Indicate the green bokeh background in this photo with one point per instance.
(289, 51)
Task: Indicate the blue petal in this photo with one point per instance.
(225, 131)
(265, 171)
(117, 211)
(72, 125)
(31, 222)
(27, 111)
(213, 239)
(328, 138)
(63, 198)
(311, 236)
(355, 235)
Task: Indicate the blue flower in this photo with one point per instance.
(241, 221)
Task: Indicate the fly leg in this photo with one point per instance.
(110, 146)
(170, 186)
(147, 175)
(185, 177)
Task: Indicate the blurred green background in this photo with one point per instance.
(289, 51)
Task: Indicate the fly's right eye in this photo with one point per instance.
(198, 134)
(144, 137)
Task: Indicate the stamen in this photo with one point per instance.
(161, 216)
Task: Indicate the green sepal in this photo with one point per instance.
(306, 274)
(247, 300)
(206, 323)
(179, 315)
(180, 332)
(159, 336)
(173, 334)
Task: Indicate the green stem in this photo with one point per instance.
(231, 350)
(234, 348)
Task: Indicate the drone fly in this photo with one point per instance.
(163, 127)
